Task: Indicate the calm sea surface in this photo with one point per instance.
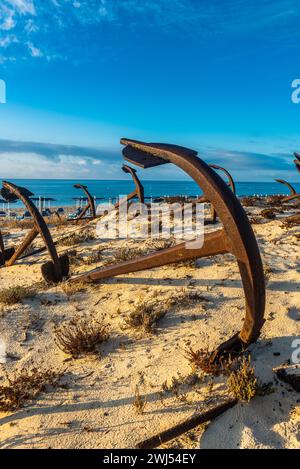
(63, 191)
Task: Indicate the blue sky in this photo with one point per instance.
(214, 75)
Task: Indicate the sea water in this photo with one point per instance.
(64, 193)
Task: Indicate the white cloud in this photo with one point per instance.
(34, 51)
(8, 40)
(52, 25)
(32, 165)
(10, 9)
(22, 6)
(8, 21)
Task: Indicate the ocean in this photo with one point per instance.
(63, 192)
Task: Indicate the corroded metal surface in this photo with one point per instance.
(90, 205)
(5, 254)
(236, 237)
(293, 193)
(188, 424)
(230, 183)
(57, 268)
(297, 161)
(288, 185)
(139, 189)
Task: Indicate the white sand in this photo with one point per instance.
(95, 409)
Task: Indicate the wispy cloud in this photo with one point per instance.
(44, 160)
(54, 151)
(36, 22)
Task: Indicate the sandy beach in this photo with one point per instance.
(94, 405)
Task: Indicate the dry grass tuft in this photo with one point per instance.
(267, 273)
(14, 295)
(94, 257)
(139, 402)
(274, 200)
(77, 238)
(176, 383)
(145, 316)
(292, 221)
(159, 244)
(248, 201)
(187, 298)
(81, 336)
(242, 382)
(268, 213)
(17, 224)
(25, 386)
(256, 220)
(126, 254)
(71, 288)
(201, 359)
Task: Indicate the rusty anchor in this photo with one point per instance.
(139, 188)
(138, 192)
(293, 193)
(90, 206)
(297, 161)
(52, 271)
(90, 203)
(236, 237)
(230, 183)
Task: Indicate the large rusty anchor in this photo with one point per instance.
(236, 237)
(297, 161)
(139, 189)
(89, 206)
(54, 270)
(137, 193)
(293, 193)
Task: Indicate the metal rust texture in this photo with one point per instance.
(288, 185)
(293, 193)
(236, 237)
(5, 254)
(90, 205)
(297, 161)
(230, 183)
(58, 267)
(139, 189)
(186, 425)
(138, 192)
(203, 199)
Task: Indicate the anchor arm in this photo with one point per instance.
(90, 205)
(57, 272)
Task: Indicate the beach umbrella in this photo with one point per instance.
(42, 201)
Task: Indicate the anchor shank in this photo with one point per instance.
(23, 246)
(215, 243)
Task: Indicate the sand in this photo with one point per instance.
(93, 407)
